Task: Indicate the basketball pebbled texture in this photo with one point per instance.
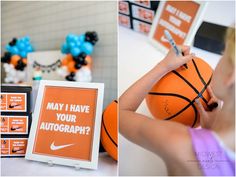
(172, 98)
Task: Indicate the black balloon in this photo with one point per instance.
(78, 66)
(20, 65)
(6, 58)
(80, 60)
(70, 78)
(72, 74)
(13, 42)
(91, 37)
(85, 62)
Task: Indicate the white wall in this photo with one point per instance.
(220, 12)
(47, 24)
(136, 57)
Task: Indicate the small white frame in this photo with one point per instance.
(192, 31)
(97, 125)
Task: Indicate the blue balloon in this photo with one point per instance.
(65, 48)
(20, 45)
(29, 48)
(8, 48)
(71, 45)
(78, 43)
(76, 38)
(27, 38)
(87, 47)
(69, 38)
(14, 50)
(23, 54)
(82, 38)
(75, 51)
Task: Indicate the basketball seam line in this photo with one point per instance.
(190, 102)
(187, 82)
(199, 74)
(107, 131)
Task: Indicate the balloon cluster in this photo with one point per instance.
(76, 66)
(20, 46)
(14, 59)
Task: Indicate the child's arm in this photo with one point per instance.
(155, 135)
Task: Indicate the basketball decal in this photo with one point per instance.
(172, 98)
(109, 129)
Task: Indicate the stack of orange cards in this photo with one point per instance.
(15, 120)
(137, 15)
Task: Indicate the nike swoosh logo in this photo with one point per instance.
(14, 151)
(54, 148)
(12, 106)
(15, 128)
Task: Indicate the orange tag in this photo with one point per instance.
(14, 125)
(13, 102)
(66, 122)
(13, 146)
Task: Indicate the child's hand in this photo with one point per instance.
(207, 118)
(172, 61)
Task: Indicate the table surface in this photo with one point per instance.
(22, 167)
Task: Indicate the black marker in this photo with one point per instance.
(173, 44)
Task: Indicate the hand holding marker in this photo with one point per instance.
(179, 52)
(173, 44)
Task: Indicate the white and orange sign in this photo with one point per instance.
(67, 122)
(14, 124)
(180, 18)
(13, 146)
(13, 102)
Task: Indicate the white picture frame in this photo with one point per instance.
(192, 31)
(92, 164)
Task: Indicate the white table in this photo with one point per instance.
(136, 57)
(22, 167)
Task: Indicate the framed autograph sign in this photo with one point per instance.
(66, 124)
(180, 18)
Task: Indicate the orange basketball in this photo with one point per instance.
(172, 98)
(109, 129)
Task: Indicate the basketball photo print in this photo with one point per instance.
(177, 91)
